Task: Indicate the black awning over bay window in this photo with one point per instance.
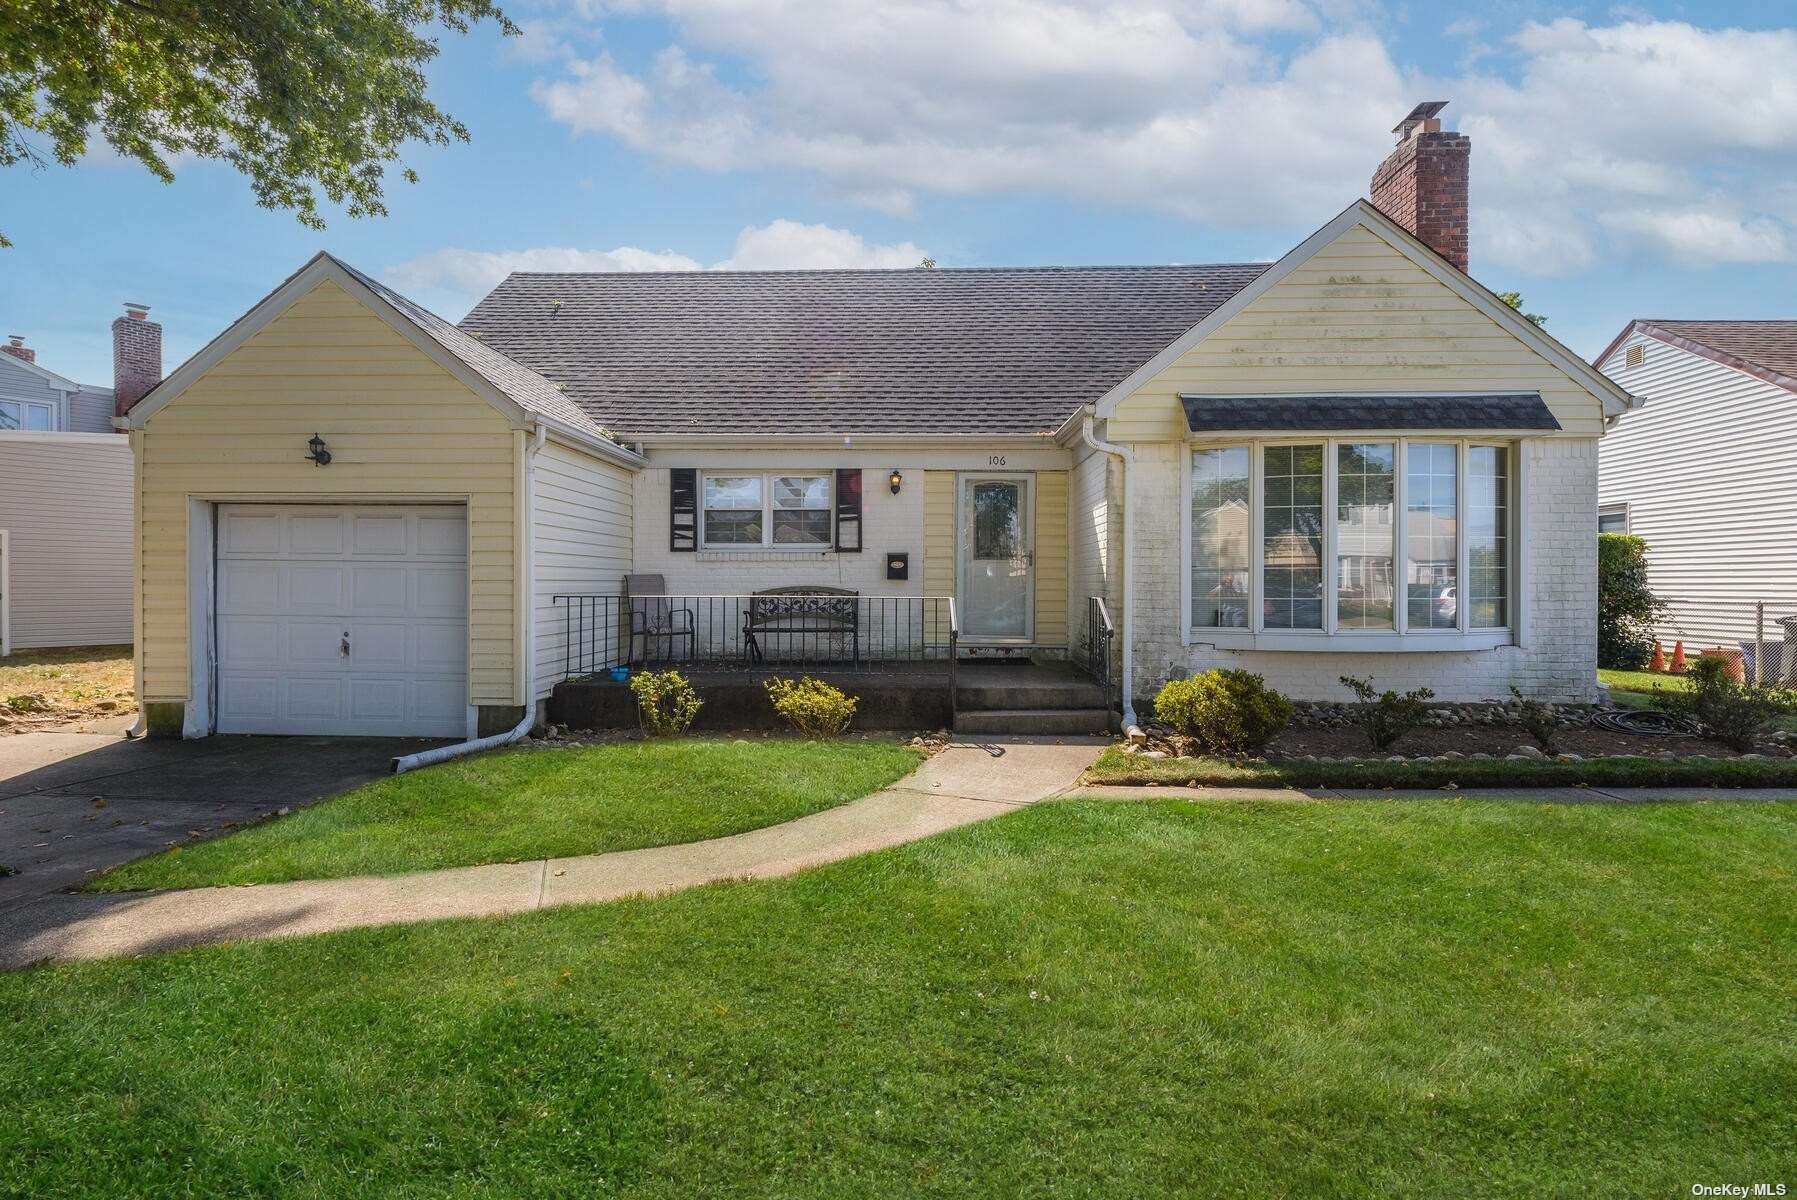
(1411, 410)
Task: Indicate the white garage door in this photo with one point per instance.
(342, 619)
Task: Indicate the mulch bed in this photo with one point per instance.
(1496, 740)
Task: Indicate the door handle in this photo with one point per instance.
(343, 648)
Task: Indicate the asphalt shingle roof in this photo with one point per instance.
(528, 389)
(1518, 410)
(1770, 346)
(988, 350)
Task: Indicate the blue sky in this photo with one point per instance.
(1628, 160)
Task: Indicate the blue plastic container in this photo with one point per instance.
(620, 674)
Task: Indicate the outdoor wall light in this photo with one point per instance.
(896, 480)
(319, 454)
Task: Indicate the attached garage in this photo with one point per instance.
(342, 619)
(339, 520)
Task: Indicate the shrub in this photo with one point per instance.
(1539, 718)
(1387, 716)
(665, 701)
(811, 706)
(1626, 609)
(1226, 712)
(1733, 713)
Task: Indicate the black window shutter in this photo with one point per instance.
(848, 510)
(683, 510)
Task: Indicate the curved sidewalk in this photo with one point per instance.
(968, 782)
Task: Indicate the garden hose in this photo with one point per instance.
(1648, 722)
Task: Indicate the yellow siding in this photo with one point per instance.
(1358, 316)
(397, 425)
(939, 533)
(1051, 558)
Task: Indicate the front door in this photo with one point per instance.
(996, 549)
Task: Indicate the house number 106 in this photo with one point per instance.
(997, 460)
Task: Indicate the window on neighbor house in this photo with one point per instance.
(1313, 537)
(23, 414)
(1613, 518)
(775, 509)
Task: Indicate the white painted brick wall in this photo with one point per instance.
(1558, 661)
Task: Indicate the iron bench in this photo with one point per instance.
(803, 612)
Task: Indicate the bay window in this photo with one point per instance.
(789, 510)
(1302, 543)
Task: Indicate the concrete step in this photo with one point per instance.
(1052, 693)
(1034, 720)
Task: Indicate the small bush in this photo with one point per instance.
(1540, 719)
(1387, 716)
(1226, 712)
(1731, 712)
(665, 701)
(812, 707)
(1626, 609)
(28, 702)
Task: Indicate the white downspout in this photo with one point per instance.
(1127, 457)
(528, 555)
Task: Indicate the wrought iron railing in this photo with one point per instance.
(769, 630)
(1099, 635)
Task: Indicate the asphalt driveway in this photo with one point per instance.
(73, 804)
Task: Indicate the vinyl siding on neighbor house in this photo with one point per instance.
(582, 534)
(79, 410)
(65, 502)
(1705, 469)
(397, 424)
(1357, 316)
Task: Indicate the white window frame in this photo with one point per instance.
(1401, 638)
(58, 418)
(1604, 510)
(767, 544)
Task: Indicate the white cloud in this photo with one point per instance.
(1653, 137)
(455, 277)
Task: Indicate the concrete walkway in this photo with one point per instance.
(966, 783)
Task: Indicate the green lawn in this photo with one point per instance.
(525, 804)
(1083, 998)
(1116, 767)
(1641, 681)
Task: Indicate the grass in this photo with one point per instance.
(526, 804)
(1643, 682)
(39, 687)
(1082, 998)
(1116, 767)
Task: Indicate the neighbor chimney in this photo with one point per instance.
(136, 356)
(15, 346)
(1423, 184)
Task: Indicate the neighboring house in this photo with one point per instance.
(1353, 460)
(1701, 473)
(65, 507)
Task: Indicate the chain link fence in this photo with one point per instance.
(1761, 635)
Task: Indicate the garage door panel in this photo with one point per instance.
(379, 536)
(248, 587)
(440, 591)
(380, 588)
(294, 580)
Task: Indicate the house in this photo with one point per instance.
(66, 497)
(357, 517)
(1699, 474)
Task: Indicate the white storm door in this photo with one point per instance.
(996, 551)
(343, 619)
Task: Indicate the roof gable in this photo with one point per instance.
(996, 351)
(1361, 213)
(1766, 350)
(521, 395)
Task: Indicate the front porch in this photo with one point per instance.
(902, 655)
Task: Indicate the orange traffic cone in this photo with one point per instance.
(1678, 657)
(1658, 665)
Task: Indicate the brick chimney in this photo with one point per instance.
(15, 346)
(136, 356)
(1422, 185)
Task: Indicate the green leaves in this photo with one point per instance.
(302, 96)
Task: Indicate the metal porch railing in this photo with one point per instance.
(1100, 634)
